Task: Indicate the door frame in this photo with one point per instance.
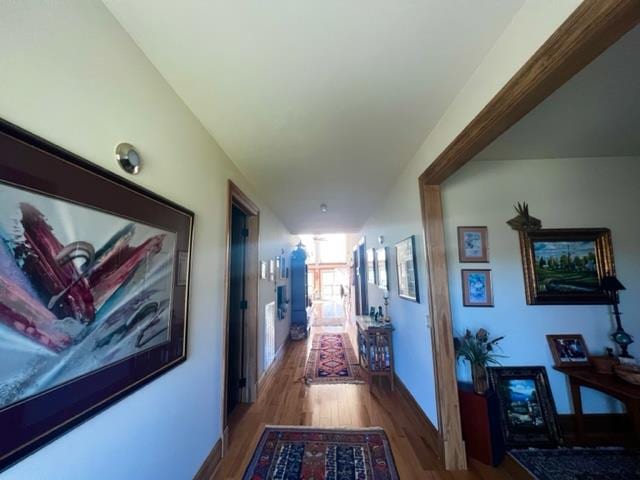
(235, 196)
(593, 27)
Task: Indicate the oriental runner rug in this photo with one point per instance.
(292, 453)
(579, 463)
(332, 360)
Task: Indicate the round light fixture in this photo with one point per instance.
(324, 208)
(128, 158)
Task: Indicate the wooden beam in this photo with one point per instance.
(593, 27)
(449, 426)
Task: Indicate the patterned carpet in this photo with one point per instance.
(294, 453)
(332, 360)
(580, 463)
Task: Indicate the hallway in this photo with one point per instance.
(286, 400)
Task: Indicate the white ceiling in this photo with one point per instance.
(317, 101)
(595, 114)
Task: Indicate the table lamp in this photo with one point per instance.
(612, 286)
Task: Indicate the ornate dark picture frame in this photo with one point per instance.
(95, 285)
(566, 266)
(527, 410)
(406, 269)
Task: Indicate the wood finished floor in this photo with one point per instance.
(288, 401)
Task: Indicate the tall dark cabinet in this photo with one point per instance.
(299, 294)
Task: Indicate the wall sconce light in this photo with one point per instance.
(128, 158)
(324, 208)
(381, 239)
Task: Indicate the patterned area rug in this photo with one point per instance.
(332, 360)
(580, 463)
(294, 453)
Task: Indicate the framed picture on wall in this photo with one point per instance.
(372, 276)
(473, 244)
(406, 269)
(476, 288)
(94, 284)
(527, 410)
(272, 270)
(278, 261)
(383, 271)
(566, 266)
(569, 350)
(263, 270)
(283, 267)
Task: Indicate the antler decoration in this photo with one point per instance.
(524, 222)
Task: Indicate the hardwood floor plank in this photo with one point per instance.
(287, 400)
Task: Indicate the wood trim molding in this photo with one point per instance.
(592, 28)
(211, 463)
(449, 425)
(267, 376)
(432, 435)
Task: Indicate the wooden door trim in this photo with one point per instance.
(235, 196)
(593, 27)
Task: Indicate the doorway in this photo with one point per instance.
(240, 356)
(236, 380)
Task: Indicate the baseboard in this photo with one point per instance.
(267, 376)
(211, 463)
(433, 436)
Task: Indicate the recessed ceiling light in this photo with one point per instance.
(324, 208)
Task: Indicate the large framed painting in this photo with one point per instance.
(94, 280)
(406, 269)
(527, 409)
(566, 266)
(382, 267)
(372, 276)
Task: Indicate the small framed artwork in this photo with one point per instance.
(527, 410)
(383, 273)
(569, 350)
(476, 288)
(283, 267)
(263, 270)
(566, 266)
(473, 244)
(278, 262)
(406, 269)
(372, 276)
(272, 270)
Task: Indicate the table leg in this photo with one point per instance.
(633, 410)
(576, 398)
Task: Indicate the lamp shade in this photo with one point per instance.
(610, 283)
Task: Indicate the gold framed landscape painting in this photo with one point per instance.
(566, 266)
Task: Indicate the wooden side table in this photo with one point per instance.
(375, 349)
(627, 393)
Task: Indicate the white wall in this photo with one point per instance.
(399, 212)
(411, 338)
(563, 193)
(72, 75)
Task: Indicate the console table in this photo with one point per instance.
(627, 393)
(375, 348)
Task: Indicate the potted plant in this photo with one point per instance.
(479, 350)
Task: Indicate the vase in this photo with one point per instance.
(479, 377)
